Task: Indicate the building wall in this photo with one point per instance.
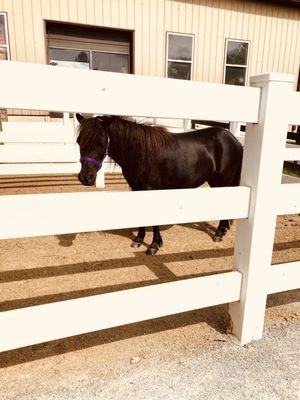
(273, 30)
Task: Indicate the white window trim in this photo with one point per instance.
(179, 61)
(236, 65)
(6, 34)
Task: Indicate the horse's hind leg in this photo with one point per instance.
(223, 227)
(138, 240)
(224, 224)
(156, 242)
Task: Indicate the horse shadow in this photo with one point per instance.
(204, 227)
(66, 240)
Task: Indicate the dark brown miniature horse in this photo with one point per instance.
(152, 158)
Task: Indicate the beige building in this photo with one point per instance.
(223, 41)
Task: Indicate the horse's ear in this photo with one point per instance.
(79, 117)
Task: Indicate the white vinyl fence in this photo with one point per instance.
(267, 107)
(38, 148)
(32, 148)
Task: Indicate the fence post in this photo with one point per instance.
(3, 117)
(66, 118)
(235, 128)
(187, 125)
(262, 171)
(100, 179)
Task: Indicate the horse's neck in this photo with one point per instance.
(130, 161)
(116, 152)
(114, 155)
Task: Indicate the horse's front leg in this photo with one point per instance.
(138, 240)
(221, 230)
(157, 242)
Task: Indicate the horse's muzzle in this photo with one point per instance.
(88, 180)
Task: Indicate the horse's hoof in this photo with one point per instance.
(151, 251)
(217, 238)
(136, 244)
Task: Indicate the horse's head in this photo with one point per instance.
(93, 141)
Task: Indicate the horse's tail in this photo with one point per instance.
(236, 176)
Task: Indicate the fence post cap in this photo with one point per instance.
(272, 77)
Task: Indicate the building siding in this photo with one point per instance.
(273, 30)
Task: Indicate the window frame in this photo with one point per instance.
(90, 54)
(6, 34)
(64, 41)
(179, 61)
(236, 65)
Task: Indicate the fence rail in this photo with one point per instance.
(284, 277)
(294, 107)
(288, 199)
(36, 132)
(292, 152)
(95, 92)
(40, 168)
(255, 204)
(85, 212)
(38, 148)
(53, 321)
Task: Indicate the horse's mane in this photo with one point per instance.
(136, 142)
(88, 134)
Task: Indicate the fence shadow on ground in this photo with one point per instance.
(216, 316)
(138, 258)
(155, 264)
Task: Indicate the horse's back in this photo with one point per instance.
(227, 153)
(193, 158)
(215, 142)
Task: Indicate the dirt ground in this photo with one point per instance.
(53, 268)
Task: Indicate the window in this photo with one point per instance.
(85, 47)
(236, 62)
(4, 48)
(69, 58)
(110, 62)
(179, 56)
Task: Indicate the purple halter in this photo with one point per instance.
(90, 160)
(95, 162)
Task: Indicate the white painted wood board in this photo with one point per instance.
(122, 94)
(293, 108)
(36, 132)
(40, 168)
(31, 325)
(39, 153)
(93, 211)
(292, 152)
(284, 277)
(288, 199)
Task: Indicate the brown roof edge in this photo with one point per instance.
(291, 3)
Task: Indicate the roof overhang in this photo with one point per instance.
(293, 3)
